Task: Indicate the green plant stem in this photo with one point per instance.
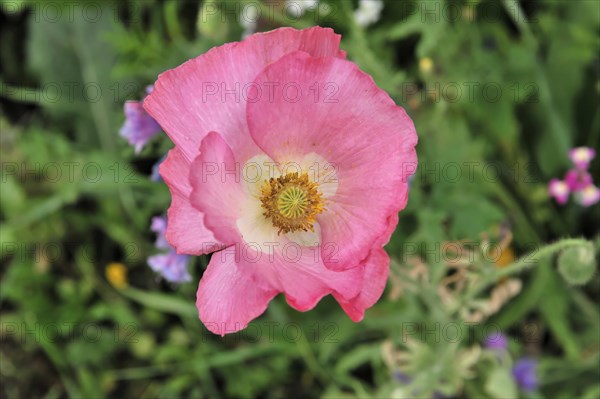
(161, 302)
(426, 292)
(556, 125)
(524, 223)
(593, 136)
(523, 263)
(101, 116)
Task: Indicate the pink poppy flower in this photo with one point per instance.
(292, 164)
(559, 190)
(582, 156)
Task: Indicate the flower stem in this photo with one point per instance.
(557, 127)
(523, 263)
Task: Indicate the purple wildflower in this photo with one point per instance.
(525, 374)
(497, 342)
(159, 226)
(170, 265)
(139, 126)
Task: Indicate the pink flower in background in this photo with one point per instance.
(578, 180)
(582, 156)
(139, 127)
(588, 196)
(559, 190)
(292, 164)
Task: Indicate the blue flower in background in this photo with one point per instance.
(525, 374)
(172, 266)
(139, 126)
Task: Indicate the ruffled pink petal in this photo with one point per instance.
(186, 231)
(209, 93)
(303, 278)
(240, 282)
(217, 191)
(229, 296)
(376, 269)
(356, 127)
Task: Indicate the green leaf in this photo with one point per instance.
(500, 384)
(162, 302)
(555, 310)
(357, 357)
(73, 61)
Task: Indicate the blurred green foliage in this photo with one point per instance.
(500, 89)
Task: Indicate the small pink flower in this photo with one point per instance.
(578, 179)
(582, 156)
(559, 190)
(588, 196)
(291, 163)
